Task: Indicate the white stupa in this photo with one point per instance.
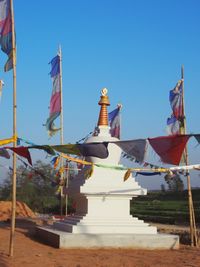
(103, 200)
(102, 217)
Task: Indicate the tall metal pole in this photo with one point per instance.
(61, 131)
(193, 233)
(12, 230)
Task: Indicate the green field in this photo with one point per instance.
(166, 207)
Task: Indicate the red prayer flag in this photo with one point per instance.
(169, 148)
(22, 151)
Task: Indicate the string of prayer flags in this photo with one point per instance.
(169, 148)
(148, 172)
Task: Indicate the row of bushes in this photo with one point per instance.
(166, 207)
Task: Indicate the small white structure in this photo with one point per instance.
(103, 200)
(102, 215)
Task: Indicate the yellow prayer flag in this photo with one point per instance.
(8, 141)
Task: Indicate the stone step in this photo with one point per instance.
(103, 222)
(60, 239)
(86, 228)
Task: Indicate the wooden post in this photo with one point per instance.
(193, 232)
(12, 230)
(66, 186)
(61, 130)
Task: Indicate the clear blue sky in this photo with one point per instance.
(134, 48)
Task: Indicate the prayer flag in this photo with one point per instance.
(22, 151)
(173, 125)
(55, 102)
(7, 141)
(169, 148)
(136, 148)
(98, 150)
(114, 122)
(148, 173)
(6, 32)
(176, 100)
(55, 66)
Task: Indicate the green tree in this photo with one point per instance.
(34, 187)
(174, 182)
(163, 188)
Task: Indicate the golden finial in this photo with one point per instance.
(104, 102)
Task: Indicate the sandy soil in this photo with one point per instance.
(29, 252)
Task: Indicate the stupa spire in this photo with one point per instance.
(103, 114)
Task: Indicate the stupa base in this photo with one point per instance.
(61, 239)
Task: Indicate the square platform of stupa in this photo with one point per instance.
(102, 218)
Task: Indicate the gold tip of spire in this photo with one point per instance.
(104, 102)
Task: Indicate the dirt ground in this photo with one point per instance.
(30, 252)
(21, 210)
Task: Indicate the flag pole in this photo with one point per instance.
(12, 230)
(193, 232)
(66, 186)
(61, 131)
